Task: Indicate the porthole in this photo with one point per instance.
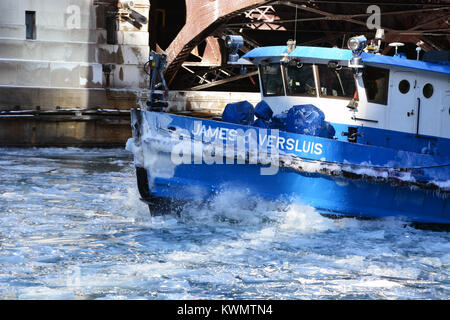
(428, 90)
(404, 86)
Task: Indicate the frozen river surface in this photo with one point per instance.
(72, 227)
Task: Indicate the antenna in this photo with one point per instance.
(396, 45)
(419, 48)
(295, 28)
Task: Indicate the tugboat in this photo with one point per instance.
(352, 133)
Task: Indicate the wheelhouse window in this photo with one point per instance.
(272, 80)
(336, 81)
(300, 79)
(376, 82)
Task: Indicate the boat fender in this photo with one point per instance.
(239, 112)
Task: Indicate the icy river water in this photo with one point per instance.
(72, 227)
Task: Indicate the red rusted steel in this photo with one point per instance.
(212, 53)
(202, 18)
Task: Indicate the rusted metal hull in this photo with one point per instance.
(28, 98)
(64, 128)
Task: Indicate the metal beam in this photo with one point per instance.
(367, 3)
(330, 16)
(202, 18)
(223, 81)
(431, 21)
(343, 16)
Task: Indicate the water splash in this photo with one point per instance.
(72, 227)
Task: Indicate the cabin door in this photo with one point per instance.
(403, 102)
(445, 118)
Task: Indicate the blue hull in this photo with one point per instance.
(346, 179)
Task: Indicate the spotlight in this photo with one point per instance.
(234, 43)
(127, 4)
(357, 44)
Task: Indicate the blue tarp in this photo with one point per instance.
(305, 119)
(278, 121)
(261, 123)
(310, 120)
(263, 111)
(327, 131)
(239, 112)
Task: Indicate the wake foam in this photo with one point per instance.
(240, 208)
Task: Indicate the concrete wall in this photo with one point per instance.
(65, 65)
